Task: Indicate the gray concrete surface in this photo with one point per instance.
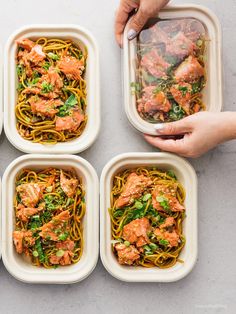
(211, 287)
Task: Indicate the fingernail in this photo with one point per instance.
(131, 34)
(159, 127)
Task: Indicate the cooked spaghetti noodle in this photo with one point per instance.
(49, 209)
(51, 105)
(170, 70)
(147, 216)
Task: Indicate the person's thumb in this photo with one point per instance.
(136, 23)
(173, 128)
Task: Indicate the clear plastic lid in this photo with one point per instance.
(170, 69)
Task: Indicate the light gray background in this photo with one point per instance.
(211, 287)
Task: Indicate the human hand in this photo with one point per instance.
(201, 132)
(145, 10)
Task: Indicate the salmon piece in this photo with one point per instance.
(136, 231)
(68, 185)
(158, 102)
(133, 189)
(36, 55)
(171, 237)
(126, 255)
(190, 70)
(70, 123)
(45, 108)
(169, 222)
(155, 64)
(152, 102)
(55, 226)
(18, 241)
(71, 67)
(182, 95)
(164, 191)
(158, 35)
(68, 245)
(24, 213)
(180, 46)
(63, 260)
(30, 193)
(52, 79)
(23, 239)
(196, 108)
(175, 205)
(25, 43)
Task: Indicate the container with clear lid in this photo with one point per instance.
(171, 67)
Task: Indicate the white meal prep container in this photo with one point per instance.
(1, 89)
(0, 217)
(187, 176)
(84, 39)
(212, 93)
(14, 262)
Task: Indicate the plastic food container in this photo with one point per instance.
(85, 39)
(14, 262)
(0, 217)
(187, 176)
(212, 92)
(1, 90)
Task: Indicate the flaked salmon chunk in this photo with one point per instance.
(190, 70)
(155, 64)
(71, 67)
(68, 186)
(133, 189)
(136, 231)
(55, 227)
(30, 193)
(127, 255)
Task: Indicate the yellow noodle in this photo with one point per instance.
(76, 208)
(163, 257)
(42, 130)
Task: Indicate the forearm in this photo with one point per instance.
(228, 126)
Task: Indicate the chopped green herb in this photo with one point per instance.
(39, 249)
(118, 213)
(126, 243)
(146, 197)
(138, 205)
(176, 112)
(153, 246)
(35, 81)
(46, 65)
(171, 174)
(69, 201)
(49, 189)
(69, 103)
(60, 253)
(164, 202)
(35, 254)
(196, 87)
(53, 56)
(19, 70)
(135, 87)
(183, 90)
(46, 87)
(63, 236)
(163, 242)
(20, 86)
